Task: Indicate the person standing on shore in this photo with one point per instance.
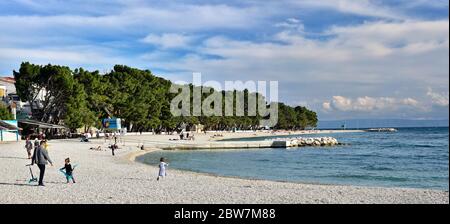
(41, 158)
(28, 146)
(113, 147)
(162, 168)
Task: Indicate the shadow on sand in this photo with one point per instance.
(16, 184)
(12, 157)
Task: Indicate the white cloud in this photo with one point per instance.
(396, 59)
(357, 7)
(169, 40)
(326, 106)
(384, 38)
(292, 24)
(131, 17)
(369, 104)
(88, 57)
(50, 55)
(392, 54)
(374, 53)
(440, 99)
(425, 3)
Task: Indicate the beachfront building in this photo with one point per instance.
(37, 129)
(9, 97)
(7, 85)
(22, 112)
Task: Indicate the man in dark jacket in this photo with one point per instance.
(40, 157)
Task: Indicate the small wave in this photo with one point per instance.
(262, 160)
(368, 177)
(377, 168)
(400, 145)
(426, 146)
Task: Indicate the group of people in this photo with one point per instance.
(217, 136)
(113, 147)
(41, 158)
(184, 136)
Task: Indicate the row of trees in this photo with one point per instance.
(299, 117)
(83, 98)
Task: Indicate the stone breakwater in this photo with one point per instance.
(301, 142)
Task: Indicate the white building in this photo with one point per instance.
(7, 86)
(8, 96)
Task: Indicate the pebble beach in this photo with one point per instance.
(103, 178)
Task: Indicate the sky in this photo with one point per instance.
(342, 58)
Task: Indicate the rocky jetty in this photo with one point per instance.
(300, 142)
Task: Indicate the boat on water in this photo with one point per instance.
(382, 130)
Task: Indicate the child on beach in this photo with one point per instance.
(113, 147)
(29, 147)
(69, 170)
(162, 168)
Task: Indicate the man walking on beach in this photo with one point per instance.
(40, 157)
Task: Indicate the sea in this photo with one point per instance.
(410, 158)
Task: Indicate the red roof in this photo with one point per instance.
(8, 79)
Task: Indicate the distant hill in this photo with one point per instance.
(377, 123)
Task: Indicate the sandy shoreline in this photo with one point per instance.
(102, 178)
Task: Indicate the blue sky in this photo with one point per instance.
(342, 58)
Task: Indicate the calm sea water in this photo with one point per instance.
(411, 157)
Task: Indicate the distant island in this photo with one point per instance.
(380, 123)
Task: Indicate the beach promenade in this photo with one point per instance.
(103, 178)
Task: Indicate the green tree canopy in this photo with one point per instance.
(83, 98)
